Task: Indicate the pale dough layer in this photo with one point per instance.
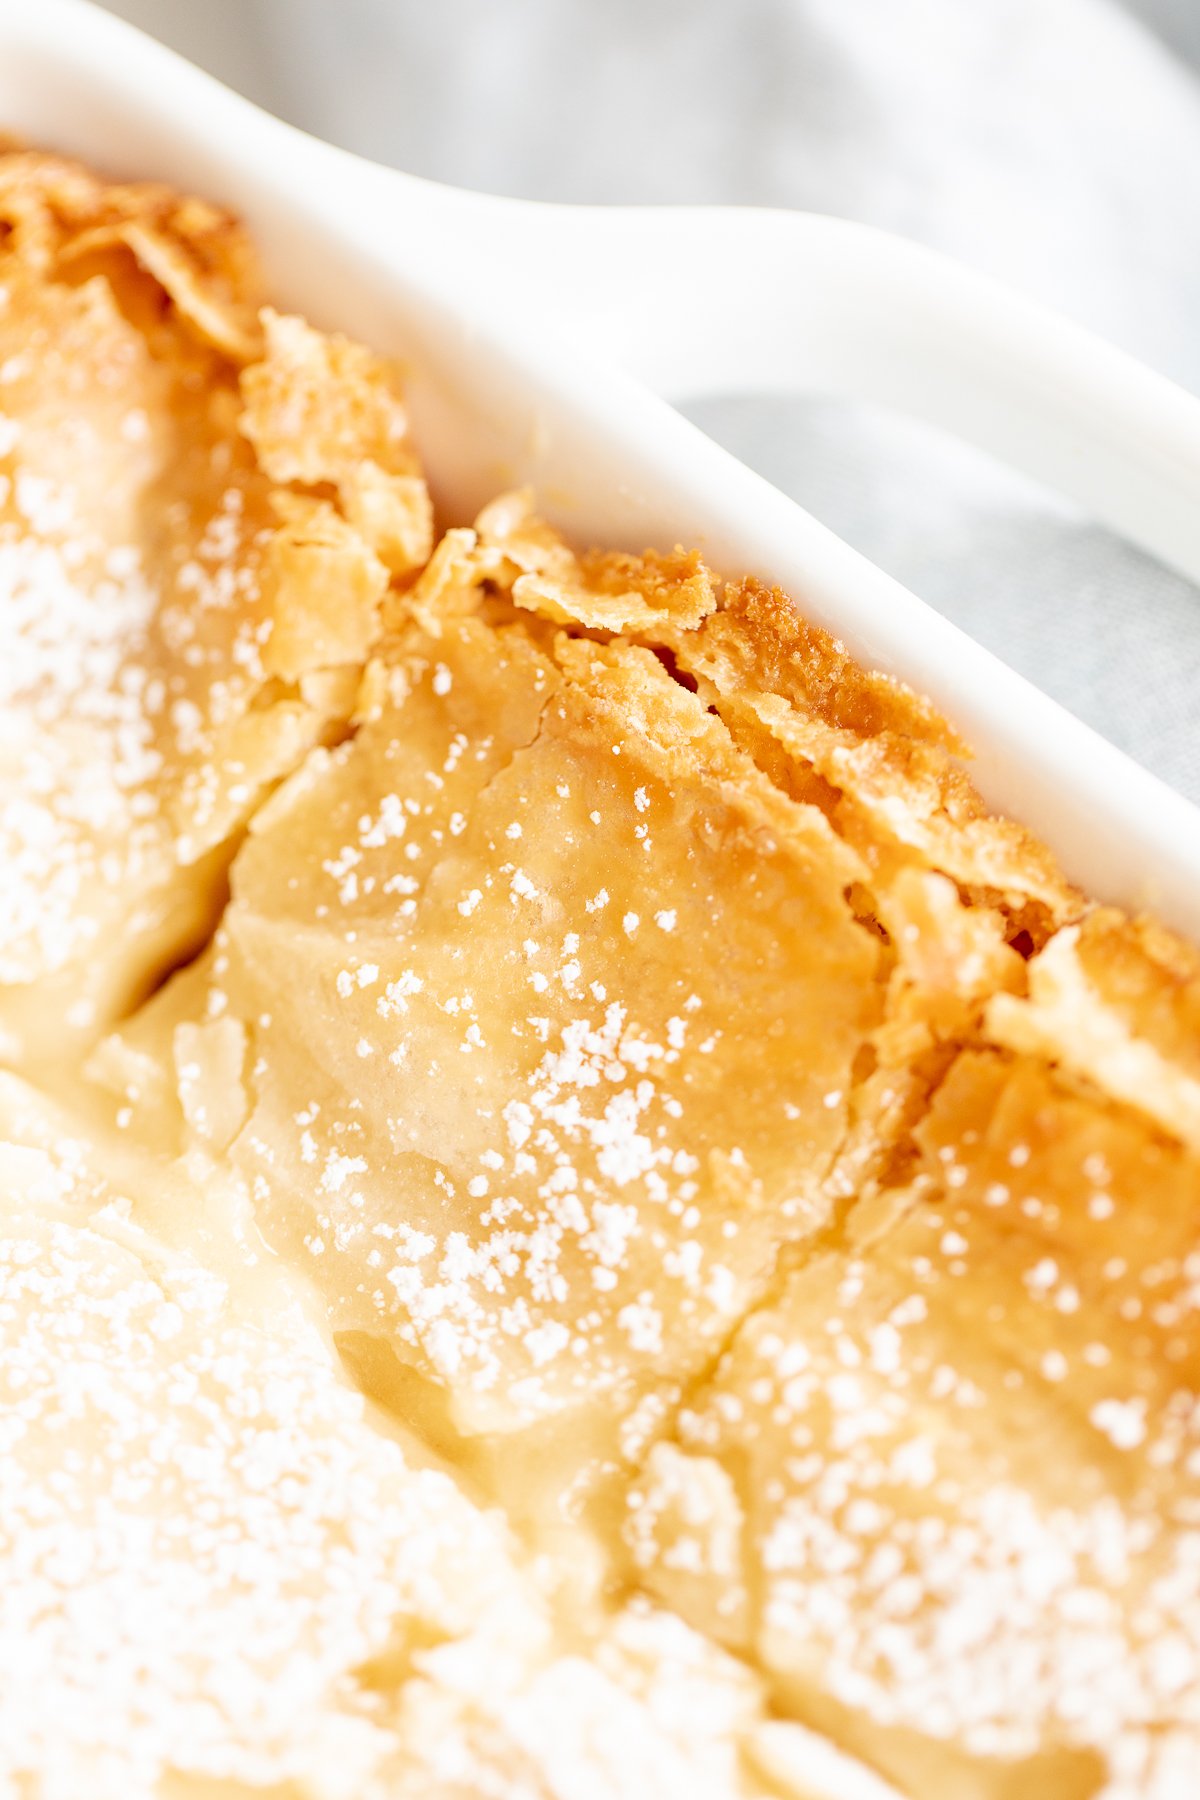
(221, 1573)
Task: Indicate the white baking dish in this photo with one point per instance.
(535, 336)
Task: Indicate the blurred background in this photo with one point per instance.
(1053, 143)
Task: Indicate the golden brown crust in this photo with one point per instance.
(527, 1036)
(1115, 1003)
(709, 1131)
(888, 762)
(166, 587)
(65, 222)
(937, 1486)
(764, 642)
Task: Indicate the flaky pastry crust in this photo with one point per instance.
(649, 1246)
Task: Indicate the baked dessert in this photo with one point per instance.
(222, 1573)
(168, 651)
(649, 1242)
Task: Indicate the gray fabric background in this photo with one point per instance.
(1055, 143)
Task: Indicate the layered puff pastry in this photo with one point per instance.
(649, 1244)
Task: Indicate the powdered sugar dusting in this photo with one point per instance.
(976, 1522)
(224, 1544)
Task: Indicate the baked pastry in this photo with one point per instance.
(943, 1486)
(168, 649)
(691, 1217)
(221, 1573)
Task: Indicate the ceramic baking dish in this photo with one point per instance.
(537, 336)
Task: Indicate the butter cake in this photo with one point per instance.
(579, 1217)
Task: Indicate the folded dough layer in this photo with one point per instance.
(504, 973)
(159, 558)
(943, 1487)
(625, 1042)
(222, 1574)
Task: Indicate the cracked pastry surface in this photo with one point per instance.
(944, 1486)
(551, 917)
(154, 562)
(758, 1194)
(937, 1487)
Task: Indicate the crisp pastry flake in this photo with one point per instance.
(162, 588)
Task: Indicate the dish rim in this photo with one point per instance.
(612, 461)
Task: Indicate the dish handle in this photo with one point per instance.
(715, 300)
